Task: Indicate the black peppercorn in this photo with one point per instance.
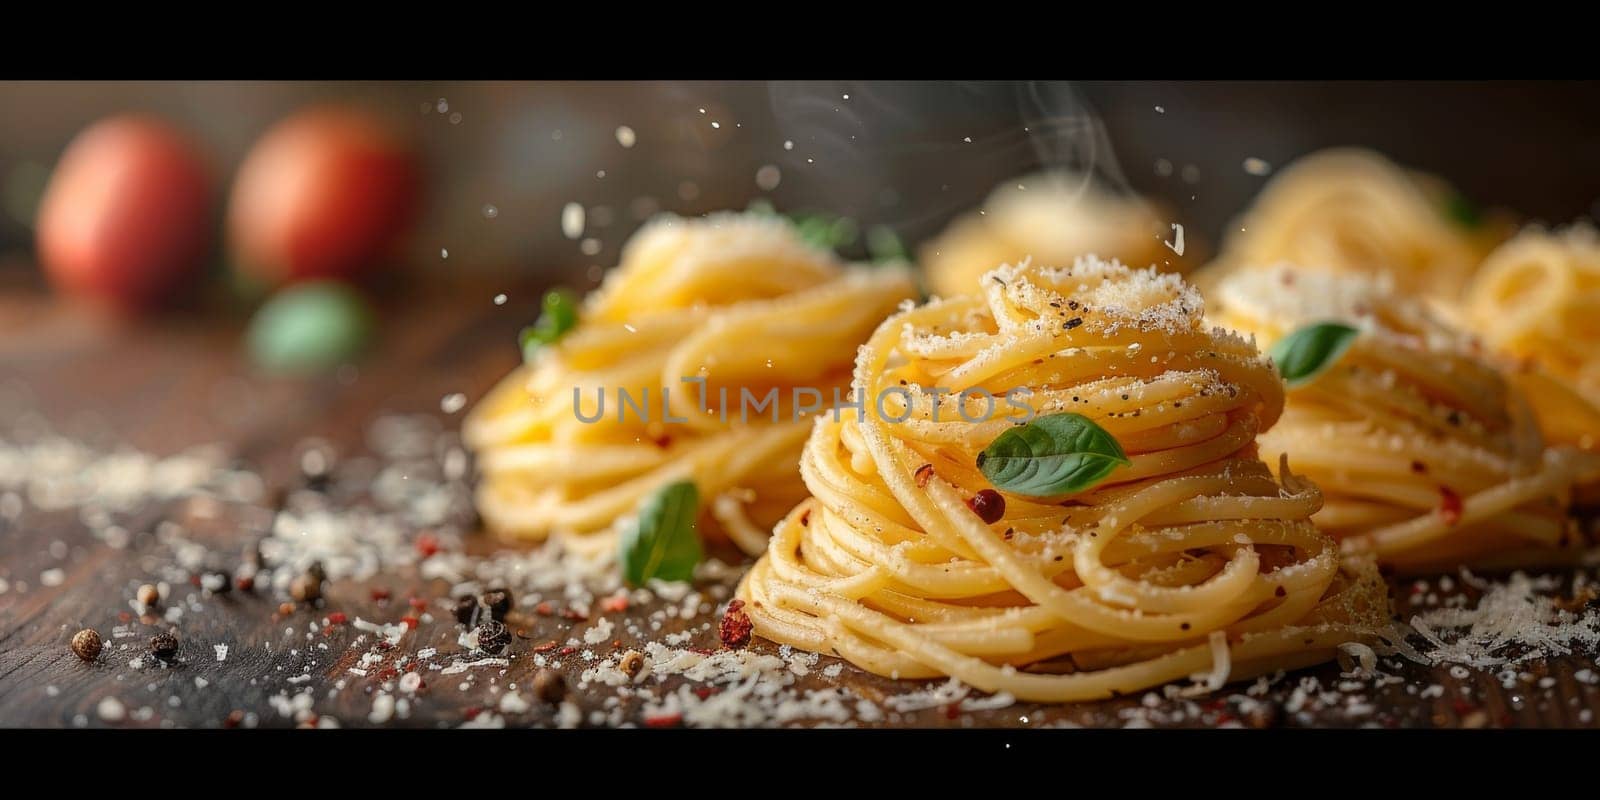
(164, 646)
(498, 601)
(632, 662)
(86, 644)
(305, 589)
(493, 637)
(549, 686)
(466, 610)
(316, 571)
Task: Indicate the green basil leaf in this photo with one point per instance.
(662, 541)
(1462, 211)
(884, 245)
(559, 316)
(1303, 355)
(761, 207)
(1050, 456)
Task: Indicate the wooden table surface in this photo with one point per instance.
(185, 381)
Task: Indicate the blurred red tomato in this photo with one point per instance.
(324, 193)
(125, 219)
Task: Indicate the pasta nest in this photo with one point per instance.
(1052, 217)
(1537, 298)
(1354, 211)
(734, 301)
(1190, 561)
(1427, 455)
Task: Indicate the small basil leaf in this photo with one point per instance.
(884, 245)
(662, 542)
(1303, 355)
(559, 316)
(1050, 456)
(1462, 211)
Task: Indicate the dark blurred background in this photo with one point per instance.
(503, 159)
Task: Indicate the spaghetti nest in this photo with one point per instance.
(1355, 211)
(1053, 217)
(1537, 298)
(1428, 457)
(728, 302)
(1190, 560)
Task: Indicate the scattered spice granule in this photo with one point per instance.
(663, 720)
(427, 545)
(735, 628)
(1449, 505)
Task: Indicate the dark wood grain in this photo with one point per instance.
(180, 383)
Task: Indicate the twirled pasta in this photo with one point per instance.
(1427, 456)
(1053, 217)
(1537, 297)
(1352, 210)
(1193, 560)
(738, 301)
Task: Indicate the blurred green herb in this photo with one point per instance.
(1462, 211)
(560, 314)
(835, 233)
(310, 327)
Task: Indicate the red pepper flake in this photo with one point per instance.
(417, 603)
(545, 609)
(988, 505)
(735, 628)
(952, 710)
(427, 544)
(663, 720)
(1449, 505)
(471, 713)
(244, 583)
(615, 605)
(546, 647)
(573, 614)
(387, 674)
(567, 651)
(383, 644)
(705, 692)
(701, 651)
(235, 718)
(1463, 707)
(409, 621)
(380, 595)
(194, 580)
(124, 617)
(337, 618)
(923, 474)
